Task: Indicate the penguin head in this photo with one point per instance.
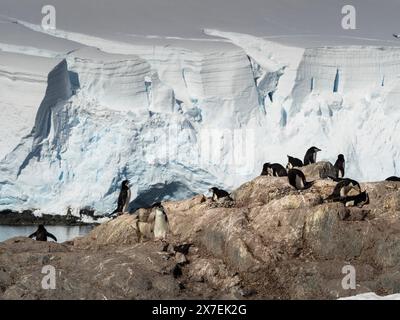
(125, 184)
(213, 189)
(266, 166)
(156, 205)
(341, 157)
(315, 149)
(41, 227)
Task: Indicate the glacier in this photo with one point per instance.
(175, 120)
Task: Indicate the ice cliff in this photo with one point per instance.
(176, 121)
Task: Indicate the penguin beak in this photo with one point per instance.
(317, 149)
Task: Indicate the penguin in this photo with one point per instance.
(311, 155)
(297, 179)
(342, 189)
(41, 234)
(219, 193)
(124, 198)
(358, 200)
(339, 166)
(293, 162)
(275, 170)
(393, 178)
(266, 170)
(161, 224)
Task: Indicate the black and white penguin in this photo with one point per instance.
(161, 223)
(339, 166)
(358, 200)
(41, 234)
(218, 194)
(393, 178)
(342, 189)
(266, 170)
(297, 179)
(275, 170)
(293, 162)
(124, 198)
(311, 155)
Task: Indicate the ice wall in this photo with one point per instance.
(176, 121)
(354, 69)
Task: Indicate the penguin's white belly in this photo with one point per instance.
(314, 157)
(299, 183)
(128, 200)
(160, 227)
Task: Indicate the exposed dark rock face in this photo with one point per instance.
(12, 218)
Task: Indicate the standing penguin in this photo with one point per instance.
(297, 179)
(339, 166)
(41, 234)
(124, 198)
(311, 155)
(161, 225)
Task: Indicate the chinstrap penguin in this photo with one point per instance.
(311, 155)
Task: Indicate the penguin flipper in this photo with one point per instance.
(51, 236)
(308, 185)
(33, 235)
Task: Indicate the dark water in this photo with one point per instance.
(62, 233)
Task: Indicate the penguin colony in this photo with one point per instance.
(347, 191)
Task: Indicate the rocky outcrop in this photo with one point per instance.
(271, 242)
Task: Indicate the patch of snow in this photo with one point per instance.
(372, 296)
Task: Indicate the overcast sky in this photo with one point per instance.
(294, 21)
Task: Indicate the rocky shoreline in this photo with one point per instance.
(270, 242)
(26, 218)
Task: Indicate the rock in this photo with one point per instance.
(143, 214)
(5, 279)
(319, 170)
(272, 242)
(180, 258)
(123, 230)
